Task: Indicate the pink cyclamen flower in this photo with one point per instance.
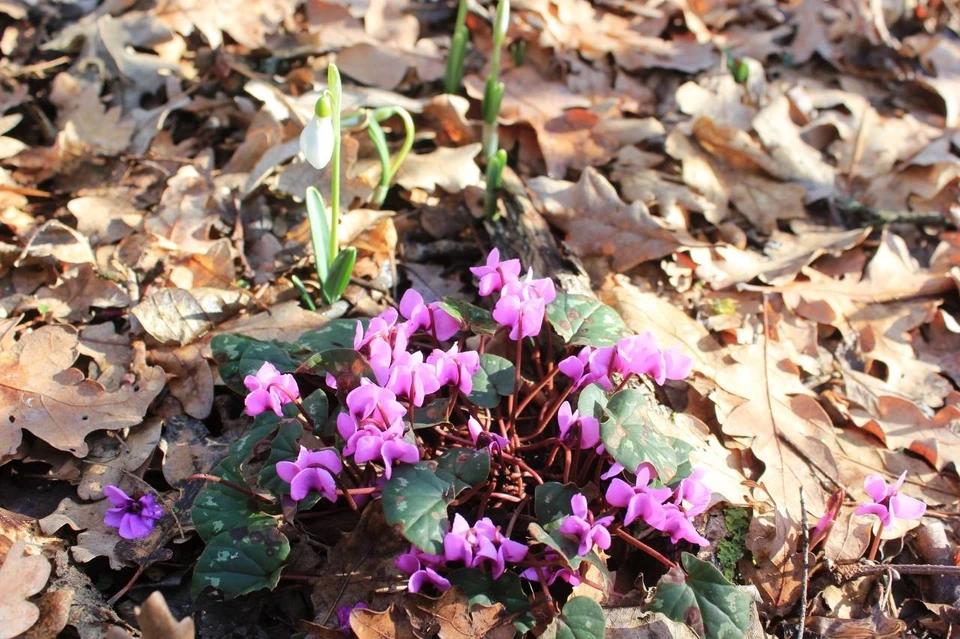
(523, 304)
(269, 389)
(641, 501)
(582, 525)
(481, 544)
(692, 496)
(421, 567)
(412, 378)
(455, 368)
(677, 524)
(889, 505)
(551, 573)
(428, 317)
(494, 275)
(370, 443)
(481, 437)
(343, 614)
(134, 518)
(314, 470)
(615, 469)
(381, 326)
(369, 405)
(589, 426)
(590, 365)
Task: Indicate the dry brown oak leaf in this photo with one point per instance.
(41, 392)
(21, 577)
(156, 622)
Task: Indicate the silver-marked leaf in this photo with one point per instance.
(337, 333)
(285, 447)
(415, 498)
(432, 414)
(318, 408)
(703, 599)
(218, 507)
(263, 426)
(473, 318)
(551, 501)
(494, 379)
(630, 437)
(238, 356)
(584, 321)
(592, 400)
(468, 467)
(242, 560)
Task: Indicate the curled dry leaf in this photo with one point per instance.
(96, 539)
(54, 241)
(156, 622)
(452, 617)
(125, 456)
(190, 378)
(188, 449)
(249, 23)
(80, 290)
(43, 394)
(21, 577)
(176, 317)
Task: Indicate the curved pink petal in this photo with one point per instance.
(578, 503)
(116, 496)
(257, 402)
(114, 517)
(619, 493)
(135, 527)
(875, 509)
(287, 470)
(875, 487)
(313, 479)
(904, 507)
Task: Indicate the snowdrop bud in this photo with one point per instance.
(316, 141)
(502, 20)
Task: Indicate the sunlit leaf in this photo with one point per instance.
(415, 498)
(494, 379)
(631, 438)
(584, 321)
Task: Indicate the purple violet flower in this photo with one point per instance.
(428, 317)
(343, 614)
(523, 304)
(455, 368)
(589, 426)
(641, 501)
(494, 275)
(421, 568)
(482, 437)
(581, 524)
(889, 505)
(314, 470)
(269, 389)
(134, 518)
(481, 544)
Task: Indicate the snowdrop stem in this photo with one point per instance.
(384, 113)
(875, 546)
(336, 93)
(636, 543)
(458, 49)
(230, 484)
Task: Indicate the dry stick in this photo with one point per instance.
(230, 484)
(636, 543)
(804, 563)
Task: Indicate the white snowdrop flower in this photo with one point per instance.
(316, 140)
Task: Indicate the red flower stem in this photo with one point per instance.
(623, 382)
(535, 354)
(550, 368)
(875, 546)
(506, 497)
(486, 498)
(516, 516)
(544, 421)
(567, 459)
(553, 454)
(536, 389)
(230, 484)
(346, 493)
(366, 490)
(511, 400)
(296, 402)
(507, 457)
(636, 543)
(543, 443)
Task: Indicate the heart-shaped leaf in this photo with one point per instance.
(415, 498)
(263, 426)
(285, 447)
(583, 321)
(242, 559)
(318, 408)
(430, 415)
(475, 319)
(630, 437)
(592, 400)
(218, 507)
(551, 501)
(703, 599)
(581, 618)
(468, 467)
(494, 379)
(238, 356)
(337, 333)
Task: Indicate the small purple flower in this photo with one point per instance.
(343, 614)
(313, 471)
(421, 568)
(889, 505)
(481, 437)
(641, 501)
(369, 405)
(430, 318)
(370, 443)
(523, 304)
(582, 525)
(496, 274)
(677, 524)
(589, 426)
(455, 368)
(269, 389)
(551, 573)
(692, 496)
(481, 544)
(412, 378)
(134, 518)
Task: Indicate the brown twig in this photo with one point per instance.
(804, 565)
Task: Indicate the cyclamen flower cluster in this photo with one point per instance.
(632, 355)
(523, 303)
(690, 498)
